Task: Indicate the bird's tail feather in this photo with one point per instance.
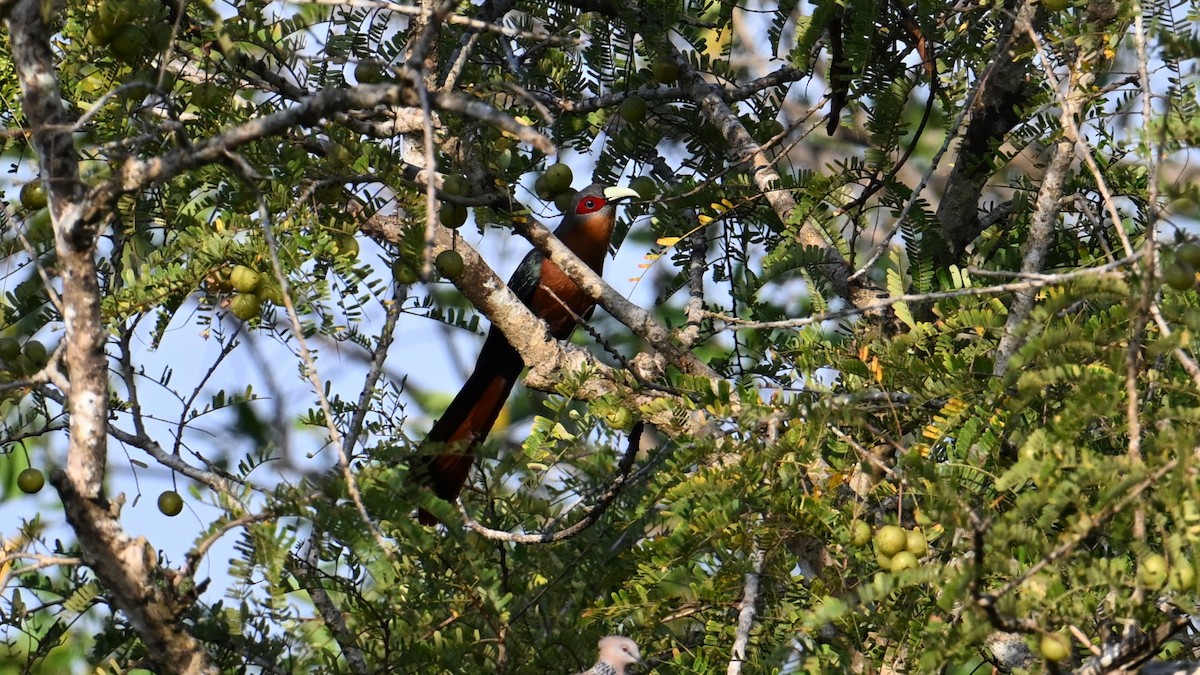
(467, 421)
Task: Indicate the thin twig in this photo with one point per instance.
(305, 570)
(455, 20)
(1032, 281)
(313, 375)
(614, 488)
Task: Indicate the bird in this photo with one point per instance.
(543, 287)
(616, 652)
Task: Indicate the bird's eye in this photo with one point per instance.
(589, 204)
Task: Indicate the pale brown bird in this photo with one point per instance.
(616, 652)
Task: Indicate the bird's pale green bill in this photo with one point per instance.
(616, 193)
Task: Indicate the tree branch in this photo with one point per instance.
(549, 360)
(746, 614)
(611, 491)
(994, 107)
(860, 291)
(148, 595)
(136, 175)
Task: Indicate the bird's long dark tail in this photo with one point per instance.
(467, 421)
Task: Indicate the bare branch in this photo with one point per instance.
(1031, 281)
(138, 174)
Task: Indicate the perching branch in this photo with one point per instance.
(549, 360)
(637, 319)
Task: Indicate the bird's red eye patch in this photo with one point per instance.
(589, 205)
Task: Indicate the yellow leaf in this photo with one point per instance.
(704, 220)
(876, 369)
(667, 241)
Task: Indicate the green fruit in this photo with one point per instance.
(160, 36)
(98, 34)
(904, 561)
(504, 159)
(1189, 254)
(271, 293)
(1179, 276)
(31, 480)
(245, 306)
(541, 187)
(369, 72)
(891, 539)
(339, 155)
(244, 279)
(915, 543)
(346, 245)
(36, 352)
(1152, 571)
(665, 71)
(116, 13)
(619, 417)
(860, 533)
(170, 503)
(1056, 5)
(39, 226)
(329, 193)
(455, 185)
(1055, 646)
(1182, 576)
(10, 348)
(450, 263)
(633, 109)
(403, 273)
(452, 215)
(24, 366)
(644, 186)
(558, 178)
(33, 195)
(564, 199)
(129, 42)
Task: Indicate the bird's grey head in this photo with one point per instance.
(597, 198)
(619, 651)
